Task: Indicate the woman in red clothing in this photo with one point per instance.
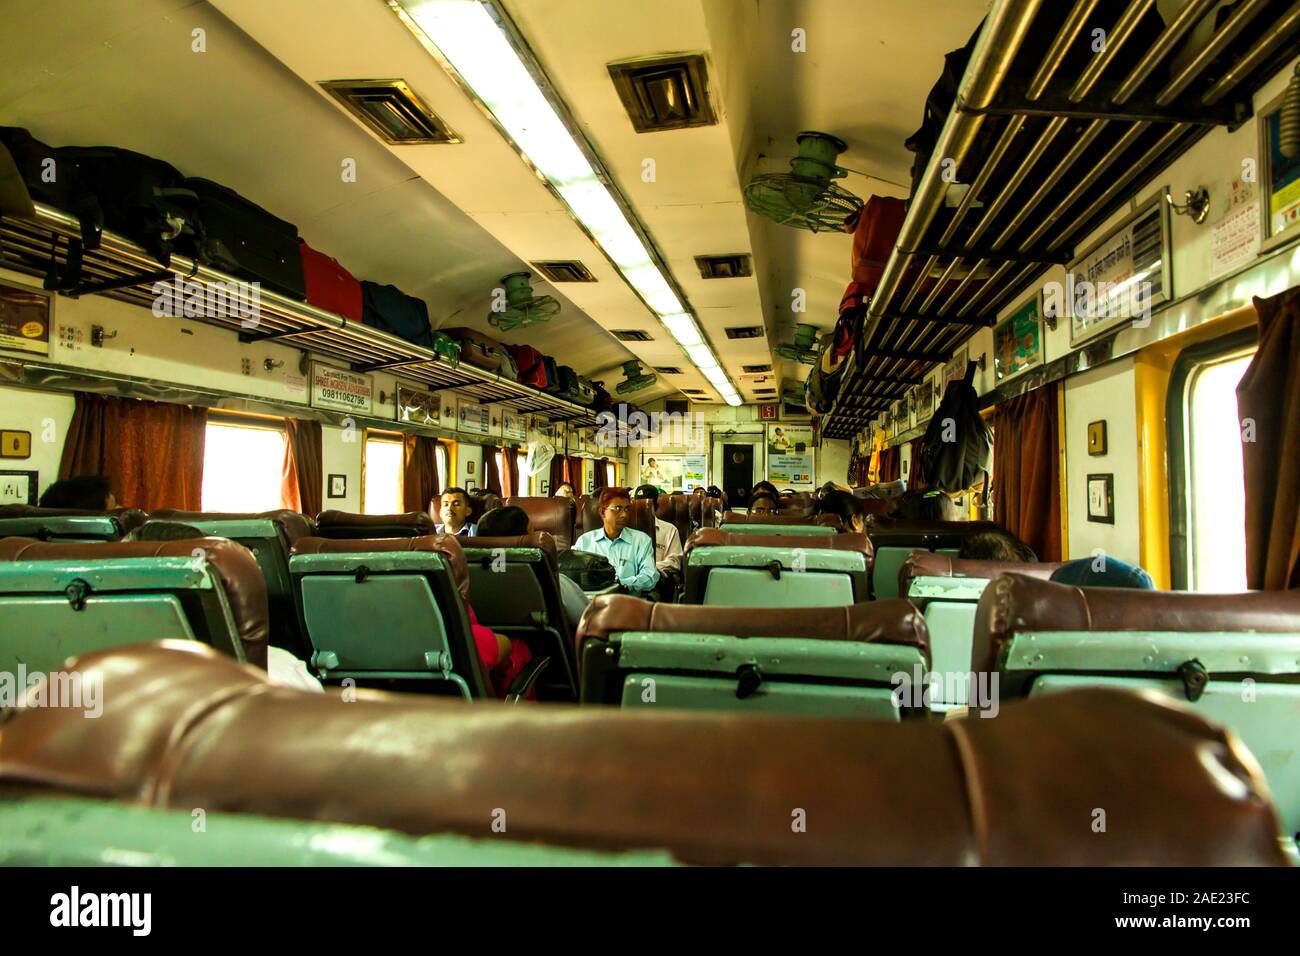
(502, 657)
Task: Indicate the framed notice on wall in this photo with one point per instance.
(18, 487)
(1120, 279)
(418, 407)
(1018, 339)
(1279, 177)
(472, 418)
(341, 390)
(24, 320)
(514, 427)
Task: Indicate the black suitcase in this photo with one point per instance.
(242, 238)
(553, 383)
(45, 176)
(389, 309)
(144, 199)
(572, 388)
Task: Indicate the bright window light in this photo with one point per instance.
(242, 468)
(1218, 486)
(383, 477)
(440, 459)
(703, 357)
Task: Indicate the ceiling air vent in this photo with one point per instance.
(668, 370)
(392, 111)
(665, 92)
(756, 368)
(693, 391)
(630, 335)
(724, 267)
(744, 332)
(568, 271)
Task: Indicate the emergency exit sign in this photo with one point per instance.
(767, 413)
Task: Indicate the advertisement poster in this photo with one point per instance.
(955, 369)
(1282, 177)
(662, 471)
(418, 407)
(1234, 239)
(340, 389)
(514, 427)
(1018, 340)
(790, 456)
(24, 320)
(693, 470)
(474, 419)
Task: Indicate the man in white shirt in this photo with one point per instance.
(631, 552)
(668, 545)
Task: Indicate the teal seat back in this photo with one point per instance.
(515, 590)
(801, 530)
(949, 607)
(63, 528)
(56, 609)
(725, 570)
(1235, 659)
(267, 541)
(390, 615)
(844, 661)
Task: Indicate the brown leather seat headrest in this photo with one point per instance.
(555, 516)
(448, 545)
(932, 564)
(541, 540)
(293, 524)
(182, 728)
(874, 622)
(232, 563)
(824, 520)
(720, 537)
(1018, 603)
(341, 524)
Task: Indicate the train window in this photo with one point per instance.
(1216, 486)
(440, 459)
(382, 476)
(1207, 496)
(243, 465)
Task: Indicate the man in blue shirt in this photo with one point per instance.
(454, 511)
(631, 552)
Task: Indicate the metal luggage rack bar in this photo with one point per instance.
(1048, 158)
(123, 270)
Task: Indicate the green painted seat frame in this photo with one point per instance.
(53, 610)
(805, 530)
(948, 604)
(792, 675)
(62, 528)
(733, 575)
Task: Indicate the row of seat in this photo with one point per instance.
(185, 728)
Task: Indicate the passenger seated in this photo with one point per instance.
(85, 492)
(511, 521)
(565, 490)
(281, 667)
(765, 487)
(631, 552)
(668, 546)
(454, 510)
(996, 546)
(1102, 572)
(842, 503)
(762, 504)
(928, 506)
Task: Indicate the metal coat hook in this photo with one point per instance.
(1196, 203)
(98, 338)
(271, 364)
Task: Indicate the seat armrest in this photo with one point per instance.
(523, 683)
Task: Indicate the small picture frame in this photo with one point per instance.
(338, 486)
(469, 470)
(1101, 498)
(1097, 438)
(19, 487)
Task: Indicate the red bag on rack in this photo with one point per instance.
(532, 365)
(330, 286)
(875, 231)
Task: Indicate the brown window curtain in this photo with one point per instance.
(574, 475)
(891, 463)
(510, 478)
(1027, 471)
(420, 473)
(1269, 396)
(559, 468)
(491, 477)
(601, 476)
(303, 482)
(151, 452)
(915, 473)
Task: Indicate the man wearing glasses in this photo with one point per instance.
(631, 552)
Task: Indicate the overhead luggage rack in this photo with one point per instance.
(45, 244)
(1048, 158)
